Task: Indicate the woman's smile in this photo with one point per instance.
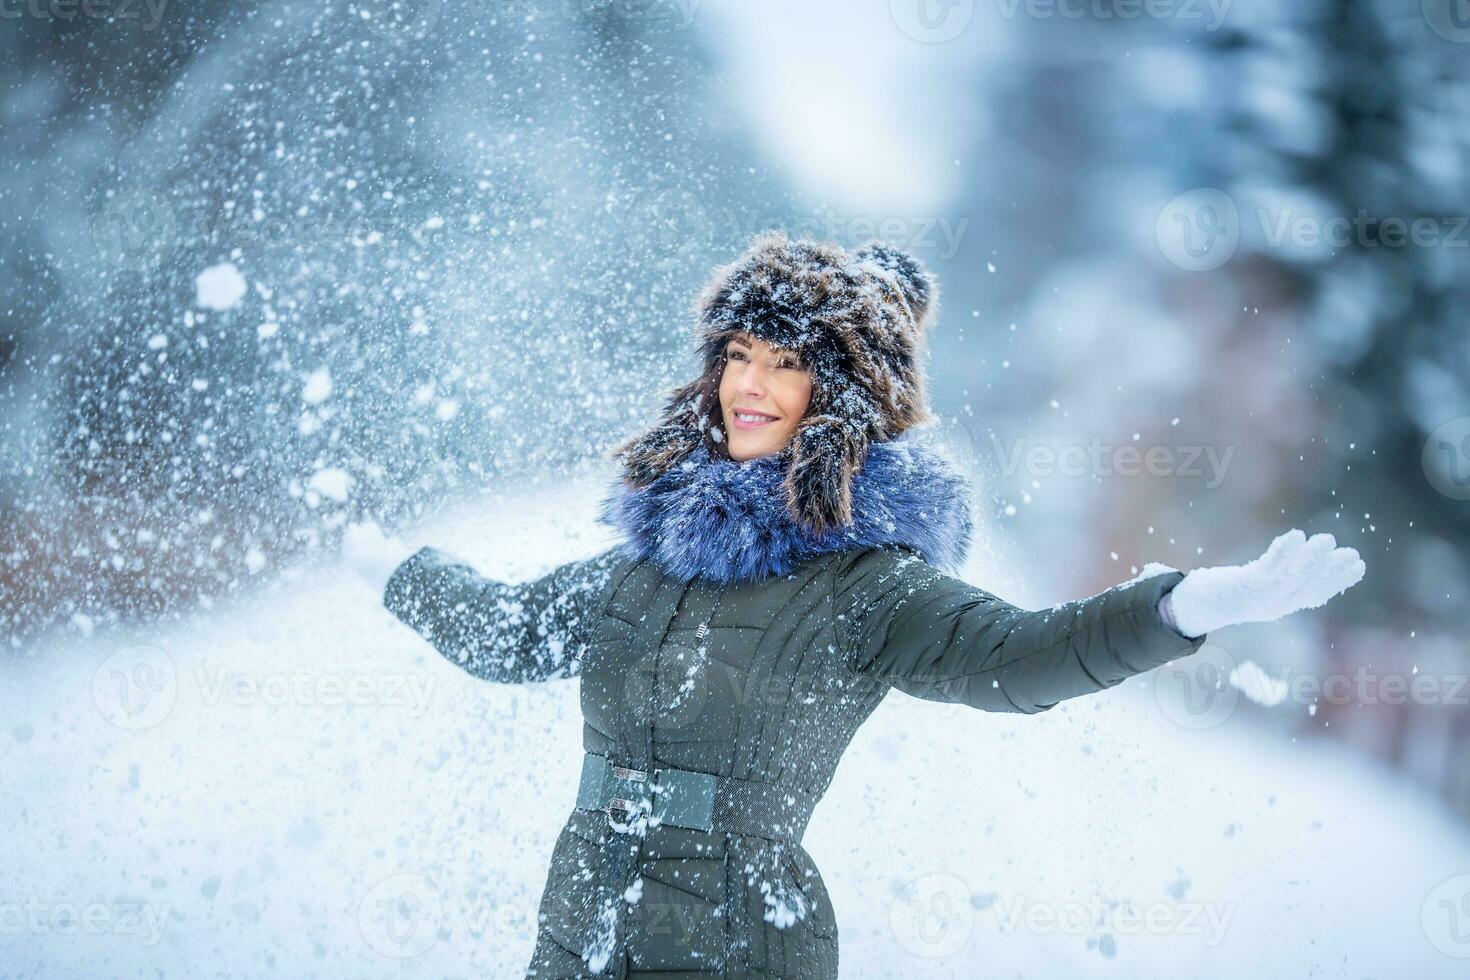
(749, 418)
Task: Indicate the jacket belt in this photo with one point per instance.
(696, 800)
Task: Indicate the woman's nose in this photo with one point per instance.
(752, 380)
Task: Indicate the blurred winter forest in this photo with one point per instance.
(267, 268)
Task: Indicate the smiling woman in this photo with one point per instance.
(764, 393)
(762, 604)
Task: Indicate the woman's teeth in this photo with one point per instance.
(757, 419)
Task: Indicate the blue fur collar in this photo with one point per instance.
(726, 522)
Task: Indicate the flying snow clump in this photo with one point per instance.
(220, 287)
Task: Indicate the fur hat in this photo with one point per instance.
(855, 320)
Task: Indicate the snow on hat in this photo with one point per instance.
(856, 320)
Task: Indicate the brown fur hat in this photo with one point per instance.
(856, 320)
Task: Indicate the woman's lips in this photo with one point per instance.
(752, 420)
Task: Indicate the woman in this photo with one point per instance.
(787, 547)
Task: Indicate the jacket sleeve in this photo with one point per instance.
(513, 634)
(910, 626)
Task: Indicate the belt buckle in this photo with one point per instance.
(624, 803)
(686, 801)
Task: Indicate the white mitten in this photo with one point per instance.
(1296, 572)
(371, 554)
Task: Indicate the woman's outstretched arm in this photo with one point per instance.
(513, 634)
(933, 636)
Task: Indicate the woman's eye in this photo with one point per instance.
(739, 355)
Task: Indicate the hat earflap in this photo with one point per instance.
(680, 431)
(826, 451)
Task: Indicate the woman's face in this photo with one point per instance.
(764, 393)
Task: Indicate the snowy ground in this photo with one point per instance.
(351, 805)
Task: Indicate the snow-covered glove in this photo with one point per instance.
(371, 554)
(1296, 572)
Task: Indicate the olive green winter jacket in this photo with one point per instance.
(756, 678)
